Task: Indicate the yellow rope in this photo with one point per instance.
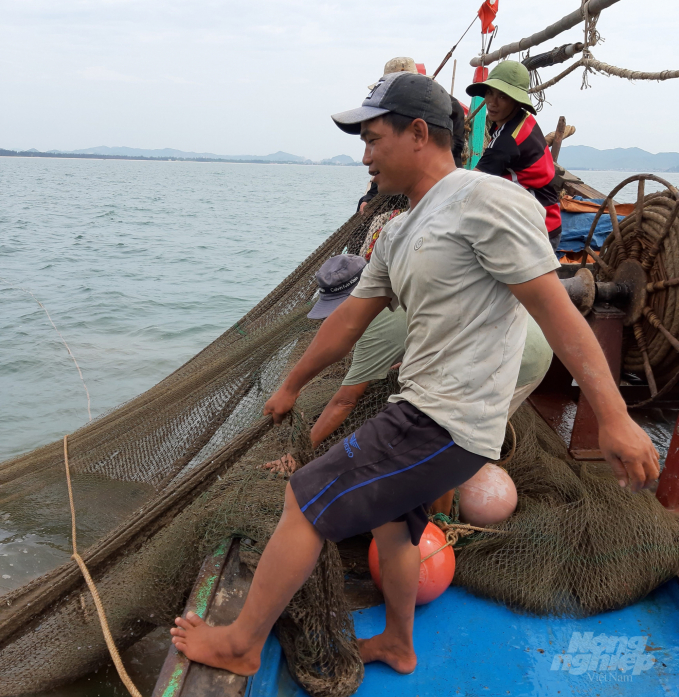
(95, 594)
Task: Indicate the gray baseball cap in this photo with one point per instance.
(336, 279)
(417, 96)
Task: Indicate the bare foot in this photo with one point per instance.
(213, 646)
(287, 465)
(396, 654)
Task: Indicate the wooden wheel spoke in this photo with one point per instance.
(637, 250)
(641, 343)
(622, 249)
(662, 285)
(598, 260)
(657, 324)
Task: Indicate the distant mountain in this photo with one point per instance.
(340, 160)
(171, 152)
(103, 151)
(623, 159)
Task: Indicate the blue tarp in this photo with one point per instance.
(576, 227)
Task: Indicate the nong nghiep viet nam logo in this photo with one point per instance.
(608, 657)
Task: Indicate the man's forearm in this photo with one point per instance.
(336, 411)
(337, 335)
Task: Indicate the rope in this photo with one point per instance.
(93, 590)
(631, 74)
(454, 531)
(592, 38)
(539, 93)
(601, 67)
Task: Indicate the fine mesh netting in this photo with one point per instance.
(578, 544)
(162, 480)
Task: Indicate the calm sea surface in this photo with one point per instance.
(140, 265)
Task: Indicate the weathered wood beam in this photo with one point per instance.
(567, 22)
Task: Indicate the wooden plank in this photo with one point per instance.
(217, 596)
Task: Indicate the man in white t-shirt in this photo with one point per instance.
(465, 262)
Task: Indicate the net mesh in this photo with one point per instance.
(162, 480)
(578, 544)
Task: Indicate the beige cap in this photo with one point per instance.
(398, 65)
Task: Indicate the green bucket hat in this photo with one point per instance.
(509, 77)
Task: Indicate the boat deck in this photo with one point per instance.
(466, 646)
(473, 647)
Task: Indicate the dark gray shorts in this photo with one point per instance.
(391, 469)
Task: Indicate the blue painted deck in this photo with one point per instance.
(472, 647)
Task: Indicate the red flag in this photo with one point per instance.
(487, 13)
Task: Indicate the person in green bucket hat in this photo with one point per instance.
(517, 149)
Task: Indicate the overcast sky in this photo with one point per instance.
(257, 76)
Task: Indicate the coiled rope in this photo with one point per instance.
(650, 236)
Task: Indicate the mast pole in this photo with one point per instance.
(594, 7)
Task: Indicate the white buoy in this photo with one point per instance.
(488, 497)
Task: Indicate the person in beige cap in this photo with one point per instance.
(517, 150)
(404, 64)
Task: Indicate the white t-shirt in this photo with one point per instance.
(447, 263)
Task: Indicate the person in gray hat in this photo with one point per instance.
(378, 349)
(336, 278)
(465, 262)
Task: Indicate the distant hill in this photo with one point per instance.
(622, 159)
(123, 153)
(171, 152)
(340, 160)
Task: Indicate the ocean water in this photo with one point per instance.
(140, 265)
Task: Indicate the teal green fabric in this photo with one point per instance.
(381, 345)
(537, 355)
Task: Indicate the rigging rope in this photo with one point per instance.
(601, 67)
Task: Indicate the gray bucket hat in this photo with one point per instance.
(336, 279)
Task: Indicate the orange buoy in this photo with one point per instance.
(436, 573)
(487, 498)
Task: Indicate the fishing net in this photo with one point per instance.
(578, 544)
(158, 482)
(162, 480)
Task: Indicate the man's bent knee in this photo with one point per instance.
(291, 499)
